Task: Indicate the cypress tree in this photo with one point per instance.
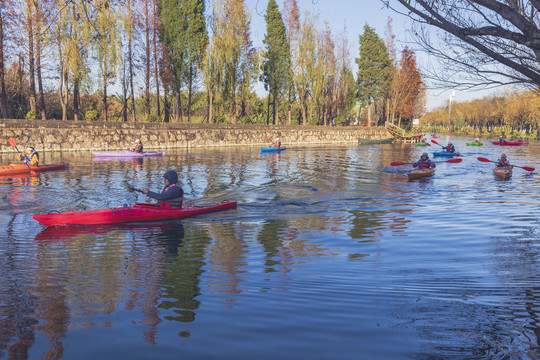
(374, 68)
(277, 56)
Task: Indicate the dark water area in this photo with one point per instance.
(331, 254)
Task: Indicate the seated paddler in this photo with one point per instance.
(424, 162)
(138, 146)
(30, 156)
(172, 194)
(503, 162)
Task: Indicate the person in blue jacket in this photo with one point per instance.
(172, 194)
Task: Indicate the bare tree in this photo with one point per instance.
(480, 43)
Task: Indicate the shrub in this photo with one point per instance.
(153, 118)
(91, 115)
(31, 115)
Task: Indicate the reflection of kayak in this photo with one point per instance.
(126, 153)
(272, 148)
(504, 173)
(420, 173)
(474, 143)
(445, 153)
(14, 169)
(133, 213)
(509, 143)
(376, 141)
(68, 233)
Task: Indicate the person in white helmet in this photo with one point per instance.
(30, 156)
(138, 146)
(277, 143)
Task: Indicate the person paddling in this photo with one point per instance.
(424, 162)
(277, 143)
(172, 194)
(30, 156)
(138, 146)
(450, 148)
(503, 162)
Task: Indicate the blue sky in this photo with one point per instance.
(355, 14)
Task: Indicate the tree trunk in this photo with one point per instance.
(3, 96)
(31, 59)
(147, 75)
(76, 99)
(62, 85)
(40, 81)
(369, 115)
(190, 88)
(132, 93)
(156, 71)
(104, 100)
(233, 108)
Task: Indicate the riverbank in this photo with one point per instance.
(53, 135)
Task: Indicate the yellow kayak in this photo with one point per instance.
(420, 173)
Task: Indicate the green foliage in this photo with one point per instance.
(374, 67)
(153, 118)
(91, 115)
(31, 115)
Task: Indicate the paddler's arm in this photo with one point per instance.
(171, 193)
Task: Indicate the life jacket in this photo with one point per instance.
(450, 148)
(28, 159)
(503, 163)
(138, 148)
(423, 163)
(278, 144)
(176, 202)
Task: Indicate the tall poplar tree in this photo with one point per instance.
(374, 69)
(277, 57)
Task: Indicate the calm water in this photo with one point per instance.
(331, 254)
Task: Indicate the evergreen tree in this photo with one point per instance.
(374, 69)
(277, 57)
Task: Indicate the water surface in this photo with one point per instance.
(331, 253)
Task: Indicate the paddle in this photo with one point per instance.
(522, 167)
(451, 161)
(130, 188)
(14, 144)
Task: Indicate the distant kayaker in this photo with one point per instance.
(501, 139)
(30, 156)
(477, 140)
(503, 162)
(424, 162)
(277, 143)
(450, 147)
(138, 146)
(172, 194)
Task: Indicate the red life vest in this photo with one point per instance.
(177, 203)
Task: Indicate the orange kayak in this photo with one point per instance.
(16, 169)
(420, 173)
(504, 173)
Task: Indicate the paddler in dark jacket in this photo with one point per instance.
(30, 157)
(138, 146)
(424, 162)
(503, 162)
(450, 147)
(172, 194)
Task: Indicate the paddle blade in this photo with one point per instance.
(428, 144)
(397, 163)
(33, 173)
(454, 161)
(129, 188)
(527, 168)
(12, 142)
(433, 141)
(483, 159)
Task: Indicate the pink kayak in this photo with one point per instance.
(126, 153)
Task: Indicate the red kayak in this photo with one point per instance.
(509, 143)
(15, 169)
(133, 213)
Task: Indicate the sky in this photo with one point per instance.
(355, 14)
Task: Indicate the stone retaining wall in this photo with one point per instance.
(55, 135)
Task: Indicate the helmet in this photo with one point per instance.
(277, 139)
(425, 155)
(30, 148)
(137, 141)
(449, 143)
(503, 156)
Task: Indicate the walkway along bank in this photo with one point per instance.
(53, 135)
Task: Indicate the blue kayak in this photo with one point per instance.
(445, 153)
(272, 148)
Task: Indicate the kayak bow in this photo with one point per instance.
(15, 169)
(130, 213)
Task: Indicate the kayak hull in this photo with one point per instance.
(509, 143)
(474, 144)
(126, 153)
(16, 169)
(444, 153)
(503, 173)
(420, 144)
(420, 173)
(139, 212)
(272, 149)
